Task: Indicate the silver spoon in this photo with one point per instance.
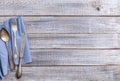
(5, 37)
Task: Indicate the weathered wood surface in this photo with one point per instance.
(70, 40)
(74, 57)
(71, 25)
(90, 41)
(71, 73)
(60, 7)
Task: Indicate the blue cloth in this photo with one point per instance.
(4, 65)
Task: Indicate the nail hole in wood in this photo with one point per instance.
(98, 8)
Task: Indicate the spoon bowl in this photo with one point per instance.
(5, 35)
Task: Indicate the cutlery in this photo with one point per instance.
(14, 29)
(6, 37)
(19, 67)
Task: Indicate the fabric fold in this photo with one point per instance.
(4, 65)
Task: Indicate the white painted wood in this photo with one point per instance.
(71, 25)
(68, 46)
(74, 57)
(71, 73)
(74, 41)
(60, 7)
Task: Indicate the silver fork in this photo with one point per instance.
(14, 29)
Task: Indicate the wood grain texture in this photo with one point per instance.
(60, 7)
(74, 41)
(71, 73)
(70, 25)
(70, 40)
(74, 57)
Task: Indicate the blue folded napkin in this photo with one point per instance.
(3, 59)
(4, 65)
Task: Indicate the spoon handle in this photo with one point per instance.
(10, 59)
(15, 47)
(19, 69)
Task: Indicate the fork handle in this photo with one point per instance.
(15, 47)
(15, 52)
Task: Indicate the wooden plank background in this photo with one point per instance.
(60, 7)
(70, 40)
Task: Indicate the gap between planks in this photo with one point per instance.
(60, 15)
(67, 35)
(27, 65)
(75, 48)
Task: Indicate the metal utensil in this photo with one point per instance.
(14, 29)
(5, 37)
(19, 67)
